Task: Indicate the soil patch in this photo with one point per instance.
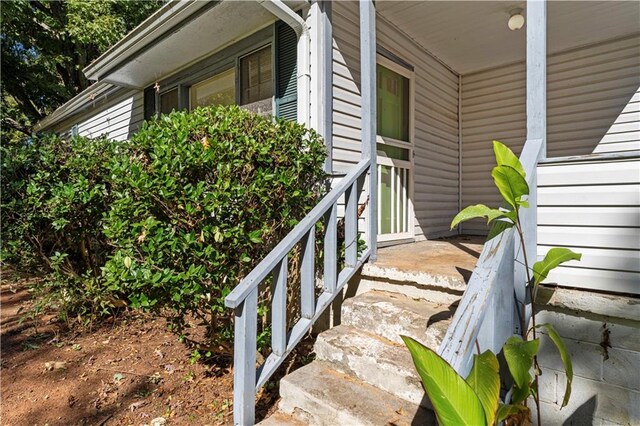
(128, 371)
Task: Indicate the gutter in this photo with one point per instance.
(291, 18)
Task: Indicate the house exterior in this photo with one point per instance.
(409, 96)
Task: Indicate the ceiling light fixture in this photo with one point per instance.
(516, 20)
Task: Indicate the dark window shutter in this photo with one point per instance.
(149, 103)
(286, 60)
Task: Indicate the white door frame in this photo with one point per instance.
(409, 165)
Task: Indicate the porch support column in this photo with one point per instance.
(536, 133)
(368, 92)
(537, 72)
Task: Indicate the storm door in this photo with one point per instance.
(395, 151)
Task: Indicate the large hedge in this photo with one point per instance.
(170, 220)
(201, 198)
(54, 194)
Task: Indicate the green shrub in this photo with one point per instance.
(54, 193)
(200, 200)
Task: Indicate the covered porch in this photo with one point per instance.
(466, 78)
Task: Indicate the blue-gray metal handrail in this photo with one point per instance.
(487, 314)
(244, 297)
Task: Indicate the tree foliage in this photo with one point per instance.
(45, 46)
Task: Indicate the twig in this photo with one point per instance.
(125, 372)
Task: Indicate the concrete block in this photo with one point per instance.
(585, 357)
(623, 334)
(592, 402)
(617, 306)
(551, 385)
(373, 359)
(622, 368)
(323, 396)
(391, 315)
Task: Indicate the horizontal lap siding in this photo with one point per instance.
(346, 85)
(593, 105)
(436, 117)
(593, 208)
(118, 119)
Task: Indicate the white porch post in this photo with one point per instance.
(536, 131)
(368, 92)
(537, 71)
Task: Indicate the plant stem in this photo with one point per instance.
(528, 287)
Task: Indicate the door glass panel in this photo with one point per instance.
(393, 104)
(385, 201)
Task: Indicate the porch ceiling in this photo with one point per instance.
(471, 36)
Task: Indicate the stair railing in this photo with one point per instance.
(491, 305)
(244, 298)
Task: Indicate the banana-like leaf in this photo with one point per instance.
(511, 184)
(484, 379)
(519, 356)
(478, 210)
(520, 394)
(453, 400)
(498, 228)
(506, 157)
(509, 410)
(564, 355)
(553, 258)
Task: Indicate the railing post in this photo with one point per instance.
(244, 359)
(279, 308)
(331, 250)
(351, 226)
(308, 275)
(368, 91)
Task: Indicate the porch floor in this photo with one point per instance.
(448, 261)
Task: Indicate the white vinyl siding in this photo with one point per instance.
(435, 193)
(593, 106)
(624, 133)
(346, 85)
(592, 207)
(118, 119)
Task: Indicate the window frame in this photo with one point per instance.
(214, 64)
(239, 58)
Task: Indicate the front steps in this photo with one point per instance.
(363, 374)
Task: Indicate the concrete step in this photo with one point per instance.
(372, 359)
(319, 395)
(281, 419)
(391, 314)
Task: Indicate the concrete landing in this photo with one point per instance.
(445, 263)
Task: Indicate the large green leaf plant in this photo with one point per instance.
(475, 400)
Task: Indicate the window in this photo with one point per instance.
(217, 90)
(240, 77)
(393, 104)
(256, 81)
(169, 101)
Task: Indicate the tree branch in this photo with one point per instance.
(17, 126)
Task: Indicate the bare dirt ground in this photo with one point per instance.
(127, 371)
